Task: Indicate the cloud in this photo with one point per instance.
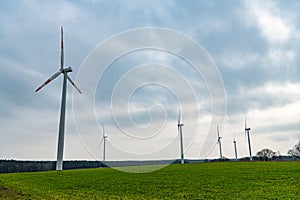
(273, 26)
(254, 44)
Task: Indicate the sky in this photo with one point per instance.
(137, 63)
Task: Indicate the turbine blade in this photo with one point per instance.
(103, 131)
(218, 133)
(102, 138)
(246, 128)
(179, 116)
(101, 142)
(62, 49)
(48, 81)
(179, 122)
(72, 83)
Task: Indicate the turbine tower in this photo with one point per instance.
(61, 132)
(235, 149)
(180, 125)
(219, 141)
(247, 132)
(104, 141)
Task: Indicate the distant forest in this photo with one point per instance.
(9, 166)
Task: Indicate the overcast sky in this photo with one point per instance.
(254, 46)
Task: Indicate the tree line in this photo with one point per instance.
(268, 154)
(7, 166)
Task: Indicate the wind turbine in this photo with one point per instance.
(235, 149)
(61, 132)
(247, 132)
(219, 141)
(180, 125)
(104, 137)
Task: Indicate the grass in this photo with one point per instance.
(224, 180)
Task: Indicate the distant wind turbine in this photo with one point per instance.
(235, 149)
(61, 133)
(180, 125)
(247, 132)
(219, 141)
(104, 141)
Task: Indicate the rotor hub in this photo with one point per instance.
(66, 70)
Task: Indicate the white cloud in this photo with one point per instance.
(236, 60)
(276, 29)
(281, 57)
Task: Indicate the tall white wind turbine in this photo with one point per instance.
(61, 132)
(247, 132)
(104, 137)
(235, 149)
(180, 125)
(219, 142)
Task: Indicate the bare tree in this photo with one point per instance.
(295, 152)
(266, 154)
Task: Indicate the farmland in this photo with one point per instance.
(219, 180)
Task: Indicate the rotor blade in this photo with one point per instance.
(179, 116)
(72, 83)
(62, 49)
(101, 141)
(103, 131)
(218, 133)
(48, 81)
(102, 138)
(246, 128)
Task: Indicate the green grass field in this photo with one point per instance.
(226, 180)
